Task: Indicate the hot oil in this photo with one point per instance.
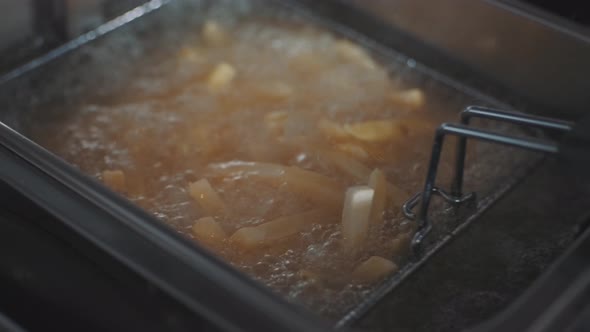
(293, 89)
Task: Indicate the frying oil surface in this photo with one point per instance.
(282, 148)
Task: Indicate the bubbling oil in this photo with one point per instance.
(256, 93)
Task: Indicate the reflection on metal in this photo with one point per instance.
(528, 55)
(93, 34)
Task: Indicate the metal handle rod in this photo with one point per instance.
(464, 131)
(498, 115)
(515, 118)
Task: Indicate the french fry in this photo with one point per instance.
(275, 91)
(355, 216)
(221, 77)
(190, 54)
(332, 130)
(373, 269)
(115, 180)
(207, 198)
(354, 53)
(246, 168)
(378, 182)
(412, 98)
(306, 63)
(316, 187)
(213, 34)
(208, 230)
(275, 121)
(345, 164)
(376, 131)
(400, 244)
(275, 230)
(354, 150)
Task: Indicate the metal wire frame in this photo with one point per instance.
(463, 131)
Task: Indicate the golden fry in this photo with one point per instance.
(373, 269)
(355, 53)
(353, 150)
(207, 198)
(213, 34)
(272, 231)
(316, 187)
(207, 229)
(221, 77)
(376, 131)
(412, 98)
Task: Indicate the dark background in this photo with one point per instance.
(574, 10)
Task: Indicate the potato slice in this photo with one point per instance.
(115, 180)
(213, 34)
(373, 269)
(378, 182)
(376, 131)
(412, 98)
(272, 231)
(207, 198)
(208, 230)
(354, 53)
(355, 216)
(221, 77)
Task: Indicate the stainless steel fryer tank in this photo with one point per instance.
(462, 70)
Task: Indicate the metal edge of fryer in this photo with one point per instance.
(85, 38)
